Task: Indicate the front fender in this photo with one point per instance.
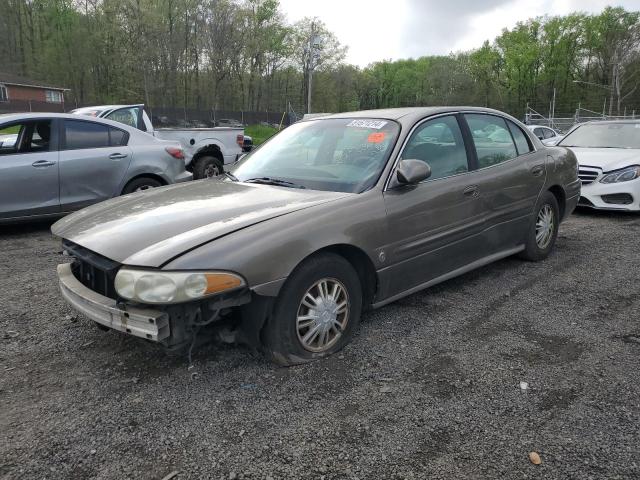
(266, 253)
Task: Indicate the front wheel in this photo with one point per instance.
(207, 167)
(542, 234)
(316, 313)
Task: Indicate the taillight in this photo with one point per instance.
(240, 140)
(175, 152)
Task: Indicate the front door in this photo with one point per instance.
(28, 169)
(434, 227)
(94, 159)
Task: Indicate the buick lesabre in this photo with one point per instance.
(331, 216)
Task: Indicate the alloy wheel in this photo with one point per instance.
(545, 226)
(323, 315)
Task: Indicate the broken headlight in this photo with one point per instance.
(149, 286)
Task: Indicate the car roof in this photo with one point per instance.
(408, 115)
(109, 107)
(16, 117)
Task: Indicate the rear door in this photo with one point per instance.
(94, 159)
(29, 169)
(510, 176)
(436, 226)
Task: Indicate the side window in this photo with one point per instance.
(118, 137)
(9, 138)
(128, 116)
(522, 142)
(538, 133)
(439, 143)
(29, 137)
(79, 134)
(493, 142)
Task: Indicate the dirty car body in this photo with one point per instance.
(329, 217)
(58, 163)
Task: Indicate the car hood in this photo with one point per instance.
(607, 158)
(152, 227)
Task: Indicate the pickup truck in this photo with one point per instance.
(206, 150)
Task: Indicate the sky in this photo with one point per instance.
(393, 29)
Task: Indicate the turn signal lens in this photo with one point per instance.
(219, 282)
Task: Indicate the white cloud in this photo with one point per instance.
(382, 29)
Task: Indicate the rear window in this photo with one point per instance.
(82, 135)
(522, 142)
(118, 137)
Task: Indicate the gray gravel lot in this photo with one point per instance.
(428, 389)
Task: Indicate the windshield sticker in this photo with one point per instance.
(377, 124)
(376, 137)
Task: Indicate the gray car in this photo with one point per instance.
(329, 217)
(53, 164)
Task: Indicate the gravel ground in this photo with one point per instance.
(430, 387)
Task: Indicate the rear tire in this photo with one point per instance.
(543, 231)
(329, 283)
(207, 167)
(141, 184)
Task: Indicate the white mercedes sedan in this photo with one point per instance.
(608, 155)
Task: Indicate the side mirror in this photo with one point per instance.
(411, 172)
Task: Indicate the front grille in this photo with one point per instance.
(92, 270)
(588, 175)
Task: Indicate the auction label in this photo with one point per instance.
(377, 124)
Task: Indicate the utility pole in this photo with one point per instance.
(314, 52)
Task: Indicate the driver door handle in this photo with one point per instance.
(43, 163)
(117, 156)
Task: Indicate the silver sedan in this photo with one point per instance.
(52, 164)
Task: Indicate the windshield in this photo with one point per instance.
(604, 135)
(340, 155)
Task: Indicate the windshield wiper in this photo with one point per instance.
(231, 176)
(273, 181)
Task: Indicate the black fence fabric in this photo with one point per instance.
(168, 117)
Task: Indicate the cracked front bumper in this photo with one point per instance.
(139, 322)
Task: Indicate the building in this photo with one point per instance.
(24, 94)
